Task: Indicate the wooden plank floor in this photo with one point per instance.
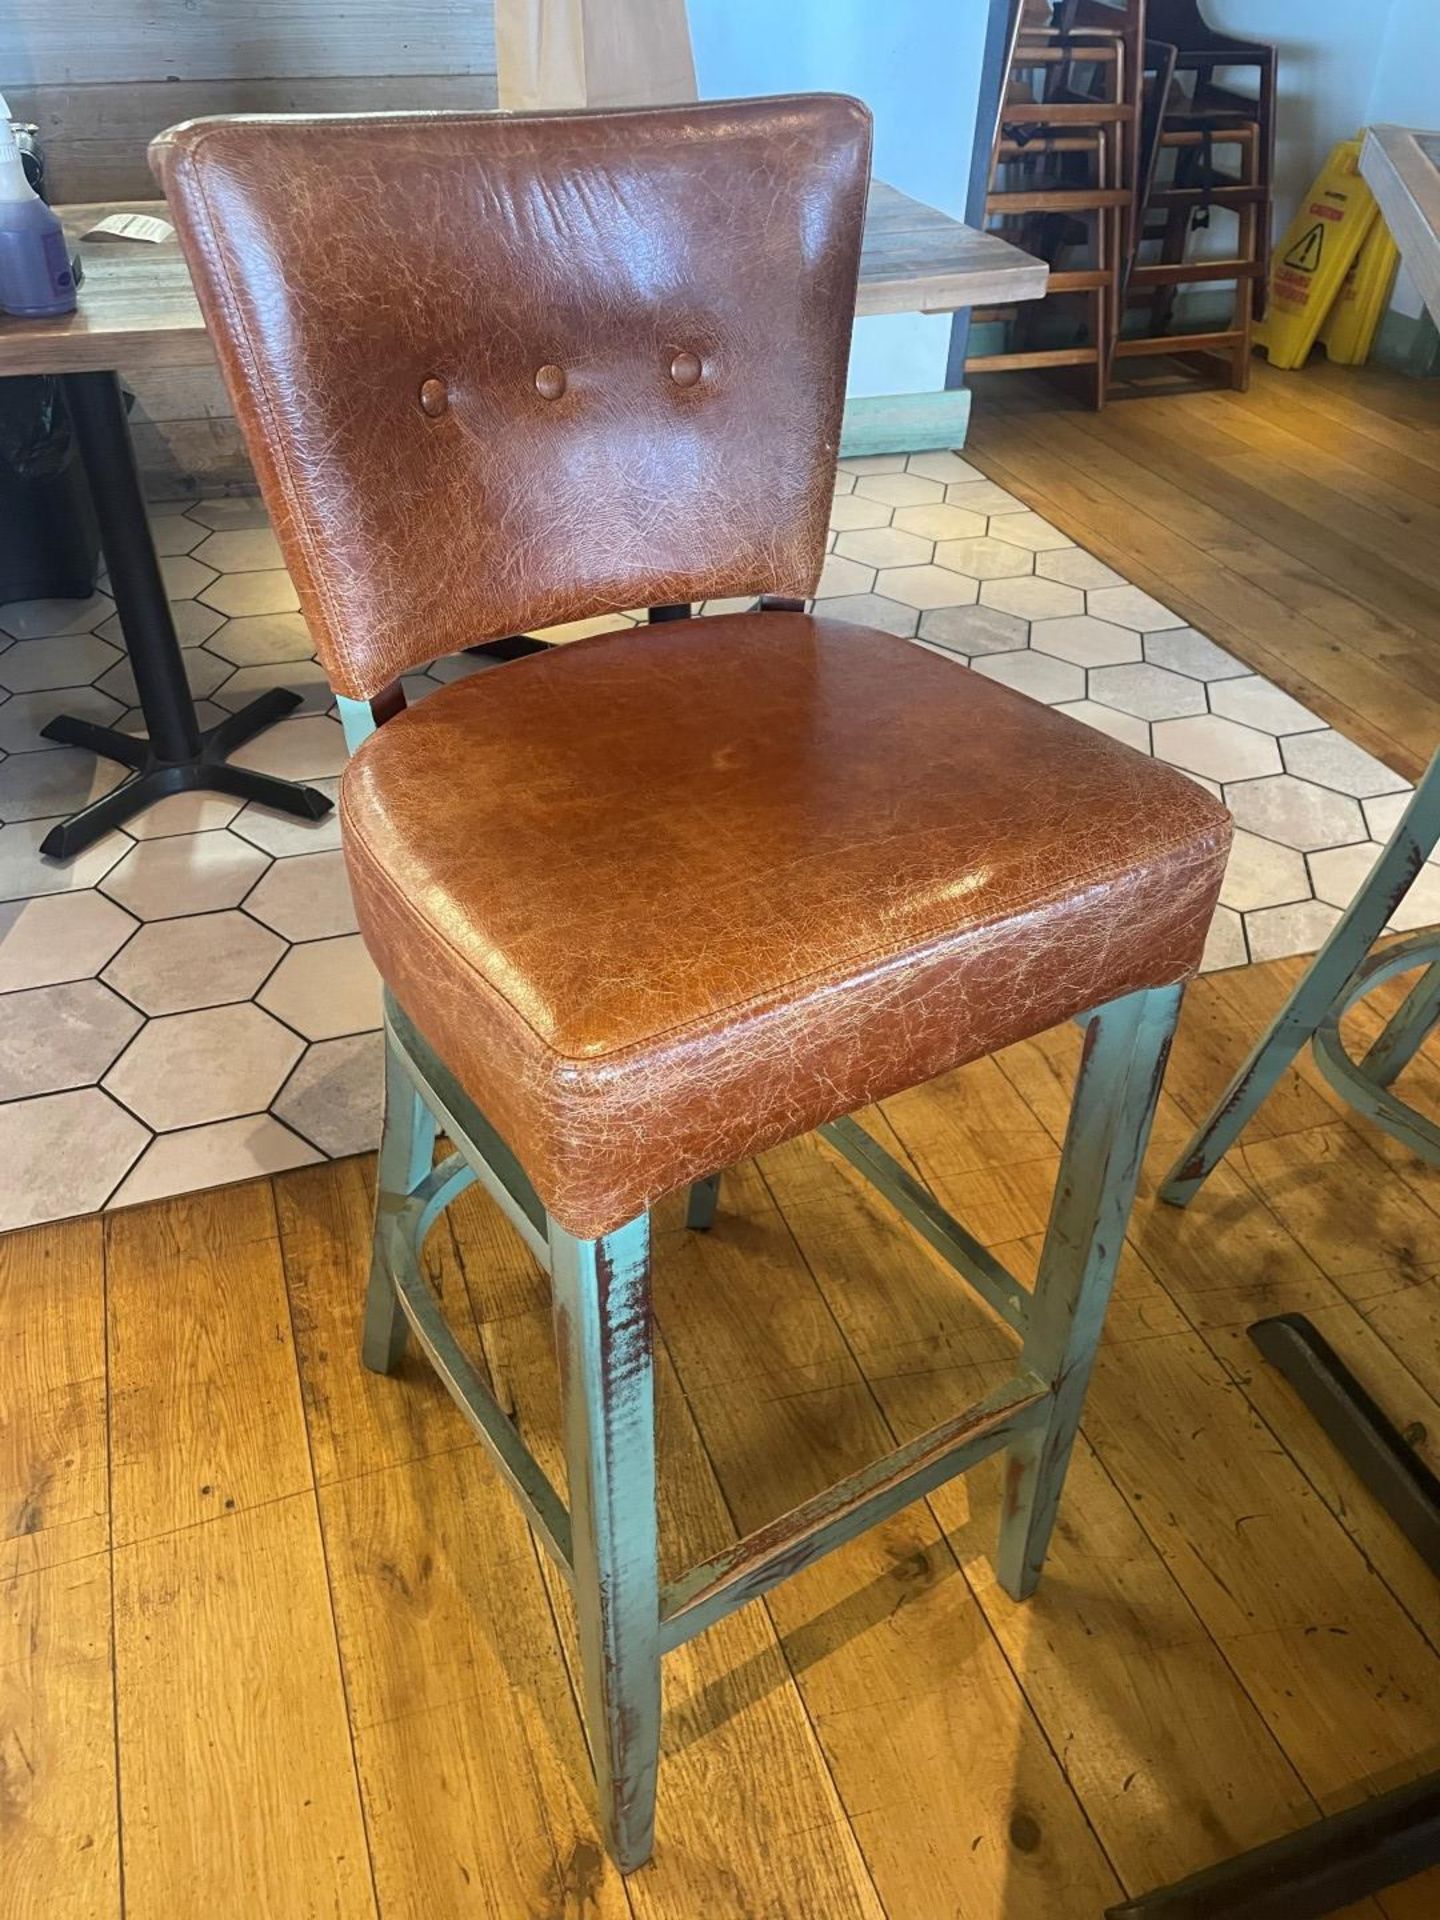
(275, 1642)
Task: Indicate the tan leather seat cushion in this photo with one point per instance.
(664, 898)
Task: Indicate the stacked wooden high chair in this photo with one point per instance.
(1115, 145)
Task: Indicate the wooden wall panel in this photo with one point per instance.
(59, 42)
(95, 133)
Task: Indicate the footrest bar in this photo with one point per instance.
(518, 1467)
(995, 1284)
(771, 1554)
(460, 1120)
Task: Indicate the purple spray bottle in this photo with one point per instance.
(35, 273)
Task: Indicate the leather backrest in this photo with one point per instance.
(498, 371)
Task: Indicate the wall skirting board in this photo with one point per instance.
(905, 422)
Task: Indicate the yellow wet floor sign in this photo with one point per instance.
(1308, 268)
(1354, 319)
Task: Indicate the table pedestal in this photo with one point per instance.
(175, 755)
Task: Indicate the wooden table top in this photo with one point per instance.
(1402, 167)
(138, 309)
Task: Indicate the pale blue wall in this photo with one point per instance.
(916, 63)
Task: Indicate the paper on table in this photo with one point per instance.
(130, 226)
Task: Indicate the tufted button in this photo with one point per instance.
(434, 397)
(550, 382)
(685, 369)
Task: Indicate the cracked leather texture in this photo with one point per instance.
(667, 897)
(670, 896)
(546, 281)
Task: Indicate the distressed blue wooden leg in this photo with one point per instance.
(700, 1208)
(1406, 1030)
(1351, 938)
(407, 1148)
(1126, 1046)
(603, 1336)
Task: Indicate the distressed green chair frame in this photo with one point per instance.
(1342, 973)
(606, 1542)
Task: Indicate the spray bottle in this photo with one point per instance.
(35, 272)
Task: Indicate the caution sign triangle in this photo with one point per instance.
(1304, 256)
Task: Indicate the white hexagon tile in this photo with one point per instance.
(190, 999)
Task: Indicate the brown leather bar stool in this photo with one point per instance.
(664, 898)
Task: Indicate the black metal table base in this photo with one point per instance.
(153, 778)
(174, 755)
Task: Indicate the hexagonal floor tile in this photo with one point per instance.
(193, 621)
(24, 715)
(983, 497)
(284, 833)
(237, 510)
(885, 547)
(39, 619)
(1184, 650)
(1327, 758)
(1033, 599)
(63, 936)
(263, 637)
(26, 873)
(838, 576)
(1085, 641)
(306, 897)
(460, 666)
(849, 511)
(1259, 703)
(197, 812)
(325, 988)
(1150, 692)
(39, 786)
(939, 522)
(900, 489)
(305, 677)
(1421, 905)
(1029, 530)
(1129, 607)
(247, 550)
(204, 671)
(239, 594)
(974, 630)
(174, 532)
(925, 587)
(1073, 567)
(334, 1096)
(1037, 674)
(45, 1178)
(214, 1156)
(984, 558)
(948, 467)
(185, 1069)
(202, 960)
(1225, 942)
(1262, 873)
(1120, 726)
(1340, 872)
(184, 577)
(870, 610)
(844, 483)
(187, 873)
(69, 660)
(1382, 816)
(311, 747)
(1220, 749)
(61, 1036)
(863, 463)
(1296, 813)
(1274, 932)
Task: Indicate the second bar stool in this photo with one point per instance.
(659, 900)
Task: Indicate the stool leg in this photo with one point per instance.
(603, 1336)
(407, 1147)
(1407, 1029)
(700, 1206)
(1126, 1045)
